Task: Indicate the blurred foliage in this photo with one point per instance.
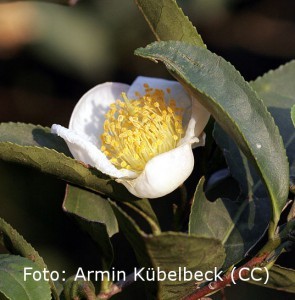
(50, 55)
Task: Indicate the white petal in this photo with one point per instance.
(88, 153)
(163, 173)
(190, 136)
(88, 116)
(177, 92)
(201, 115)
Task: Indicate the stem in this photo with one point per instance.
(86, 291)
(226, 279)
(116, 288)
(154, 226)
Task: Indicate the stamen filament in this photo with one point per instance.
(136, 130)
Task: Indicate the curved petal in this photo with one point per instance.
(201, 115)
(88, 116)
(88, 153)
(177, 92)
(162, 174)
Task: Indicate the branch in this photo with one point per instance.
(117, 287)
(226, 279)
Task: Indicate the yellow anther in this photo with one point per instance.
(120, 118)
(136, 130)
(123, 164)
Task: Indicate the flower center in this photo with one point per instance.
(136, 130)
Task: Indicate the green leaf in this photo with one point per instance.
(36, 147)
(237, 224)
(16, 244)
(12, 279)
(95, 215)
(280, 278)
(293, 114)
(32, 135)
(277, 91)
(91, 207)
(144, 208)
(235, 106)
(168, 22)
(170, 251)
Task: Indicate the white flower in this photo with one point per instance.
(144, 139)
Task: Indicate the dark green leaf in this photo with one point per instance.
(144, 208)
(277, 91)
(91, 207)
(12, 281)
(235, 106)
(32, 135)
(237, 224)
(170, 251)
(168, 22)
(280, 278)
(95, 215)
(36, 147)
(16, 244)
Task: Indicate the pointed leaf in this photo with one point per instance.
(277, 91)
(171, 251)
(12, 280)
(91, 207)
(168, 22)
(16, 244)
(235, 106)
(280, 278)
(95, 215)
(32, 135)
(238, 225)
(36, 147)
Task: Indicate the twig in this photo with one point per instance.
(118, 287)
(226, 279)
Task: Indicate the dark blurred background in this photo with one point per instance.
(50, 55)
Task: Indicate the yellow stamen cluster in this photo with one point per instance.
(137, 130)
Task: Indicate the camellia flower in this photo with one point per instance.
(141, 134)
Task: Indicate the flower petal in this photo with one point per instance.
(201, 115)
(88, 116)
(177, 92)
(88, 153)
(162, 174)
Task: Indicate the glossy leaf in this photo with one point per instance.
(16, 244)
(277, 91)
(237, 224)
(12, 283)
(95, 215)
(170, 251)
(91, 207)
(36, 147)
(280, 278)
(235, 106)
(168, 22)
